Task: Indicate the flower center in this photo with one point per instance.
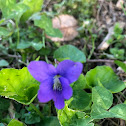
(57, 84)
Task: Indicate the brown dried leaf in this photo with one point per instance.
(67, 25)
(64, 21)
(119, 4)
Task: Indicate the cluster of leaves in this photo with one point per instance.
(118, 41)
(28, 37)
(20, 86)
(102, 87)
(22, 34)
(76, 6)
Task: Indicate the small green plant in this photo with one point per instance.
(44, 84)
(118, 41)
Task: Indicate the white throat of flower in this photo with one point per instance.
(57, 86)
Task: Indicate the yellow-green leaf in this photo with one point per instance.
(18, 85)
(34, 6)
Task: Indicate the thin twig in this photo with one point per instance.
(113, 122)
(100, 60)
(14, 56)
(119, 100)
(10, 55)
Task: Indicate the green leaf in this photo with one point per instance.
(117, 29)
(69, 117)
(119, 111)
(6, 3)
(2, 21)
(4, 32)
(118, 53)
(83, 122)
(34, 6)
(69, 52)
(1, 124)
(16, 11)
(3, 63)
(45, 51)
(80, 83)
(106, 76)
(15, 122)
(12, 10)
(3, 49)
(45, 23)
(4, 104)
(102, 101)
(65, 115)
(25, 45)
(121, 64)
(80, 101)
(49, 121)
(36, 46)
(98, 112)
(31, 118)
(18, 85)
(102, 97)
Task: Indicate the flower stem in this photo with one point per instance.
(46, 58)
(18, 34)
(37, 110)
(43, 41)
(43, 38)
(50, 108)
(93, 48)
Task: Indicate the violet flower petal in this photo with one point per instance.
(58, 100)
(70, 70)
(66, 89)
(45, 92)
(40, 70)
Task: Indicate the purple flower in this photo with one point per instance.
(55, 82)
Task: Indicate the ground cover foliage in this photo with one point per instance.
(91, 32)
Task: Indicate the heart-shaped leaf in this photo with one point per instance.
(119, 111)
(49, 121)
(18, 85)
(80, 101)
(15, 122)
(104, 75)
(45, 23)
(69, 52)
(3, 63)
(34, 6)
(102, 97)
(98, 112)
(69, 117)
(25, 45)
(4, 32)
(12, 10)
(80, 83)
